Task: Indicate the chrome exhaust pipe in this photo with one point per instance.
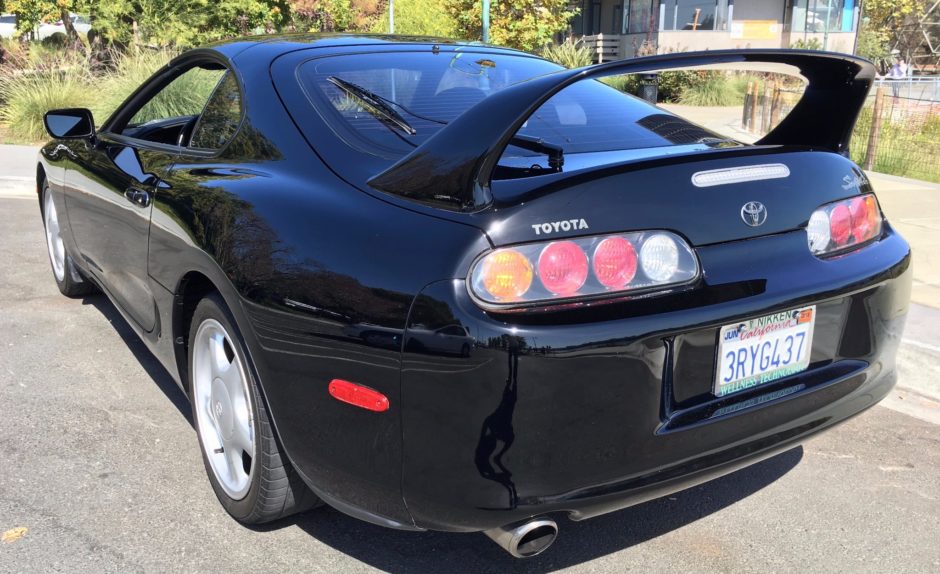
(525, 539)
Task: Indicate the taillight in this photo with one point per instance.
(844, 225)
(586, 267)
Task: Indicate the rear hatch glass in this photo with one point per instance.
(383, 105)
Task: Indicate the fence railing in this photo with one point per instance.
(913, 88)
(603, 47)
(894, 135)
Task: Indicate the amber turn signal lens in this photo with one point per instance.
(507, 274)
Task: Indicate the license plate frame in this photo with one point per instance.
(760, 341)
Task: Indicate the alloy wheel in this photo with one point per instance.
(223, 408)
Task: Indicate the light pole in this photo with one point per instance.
(391, 16)
(486, 21)
(826, 31)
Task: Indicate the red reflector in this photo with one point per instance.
(840, 224)
(358, 395)
(563, 267)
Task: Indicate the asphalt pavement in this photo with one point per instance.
(100, 471)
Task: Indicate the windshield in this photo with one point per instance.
(388, 104)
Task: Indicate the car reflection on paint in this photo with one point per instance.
(447, 340)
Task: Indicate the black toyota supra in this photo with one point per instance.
(449, 286)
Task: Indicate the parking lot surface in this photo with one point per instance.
(100, 472)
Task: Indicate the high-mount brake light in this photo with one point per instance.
(582, 268)
(844, 225)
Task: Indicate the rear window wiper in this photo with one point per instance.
(375, 104)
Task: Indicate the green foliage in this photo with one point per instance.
(26, 96)
(711, 89)
(419, 18)
(185, 24)
(130, 72)
(570, 54)
(873, 45)
(810, 44)
(185, 96)
(906, 146)
(56, 41)
(521, 24)
(672, 84)
(628, 83)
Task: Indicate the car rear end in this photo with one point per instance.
(586, 404)
(658, 305)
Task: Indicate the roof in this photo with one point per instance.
(291, 42)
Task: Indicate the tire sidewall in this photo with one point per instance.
(213, 307)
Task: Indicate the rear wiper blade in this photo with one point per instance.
(555, 153)
(374, 103)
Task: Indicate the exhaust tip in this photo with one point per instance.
(525, 539)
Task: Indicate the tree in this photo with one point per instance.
(419, 18)
(336, 15)
(885, 22)
(524, 24)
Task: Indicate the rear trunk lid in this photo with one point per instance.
(781, 190)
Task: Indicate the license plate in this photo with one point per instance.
(758, 351)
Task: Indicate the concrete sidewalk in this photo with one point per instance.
(913, 208)
(17, 169)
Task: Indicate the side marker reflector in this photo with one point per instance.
(358, 396)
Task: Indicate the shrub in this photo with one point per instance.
(627, 83)
(570, 54)
(810, 44)
(672, 84)
(715, 89)
(27, 96)
(55, 41)
(130, 71)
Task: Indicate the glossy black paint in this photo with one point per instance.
(583, 409)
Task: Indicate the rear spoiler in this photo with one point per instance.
(454, 166)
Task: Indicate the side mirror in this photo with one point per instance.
(72, 123)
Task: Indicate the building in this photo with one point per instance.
(618, 28)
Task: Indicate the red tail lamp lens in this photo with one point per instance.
(844, 224)
(615, 262)
(358, 395)
(840, 224)
(563, 267)
(507, 274)
(864, 212)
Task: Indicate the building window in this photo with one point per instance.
(695, 15)
(822, 16)
(638, 16)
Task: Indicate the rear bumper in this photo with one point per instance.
(587, 411)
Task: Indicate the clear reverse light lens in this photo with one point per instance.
(818, 231)
(659, 257)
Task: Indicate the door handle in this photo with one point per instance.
(137, 196)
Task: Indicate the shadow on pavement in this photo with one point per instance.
(157, 373)
(578, 542)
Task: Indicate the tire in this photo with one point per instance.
(67, 277)
(249, 473)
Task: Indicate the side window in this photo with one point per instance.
(220, 119)
(183, 98)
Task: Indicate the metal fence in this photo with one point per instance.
(894, 134)
(898, 135)
(913, 88)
